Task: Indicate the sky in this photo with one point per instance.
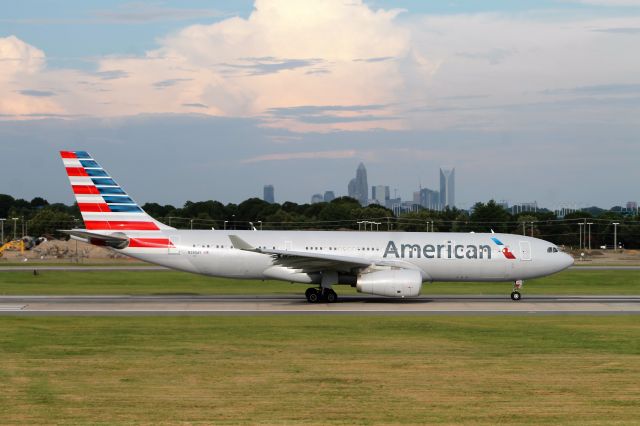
(195, 100)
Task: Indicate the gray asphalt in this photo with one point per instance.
(288, 305)
(80, 268)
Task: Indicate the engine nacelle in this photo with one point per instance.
(391, 283)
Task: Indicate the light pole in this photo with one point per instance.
(524, 229)
(260, 222)
(532, 229)
(225, 224)
(589, 223)
(75, 225)
(15, 225)
(580, 228)
(615, 235)
(2, 227)
(191, 224)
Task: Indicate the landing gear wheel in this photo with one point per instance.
(330, 296)
(516, 295)
(313, 295)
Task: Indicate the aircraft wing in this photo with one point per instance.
(312, 262)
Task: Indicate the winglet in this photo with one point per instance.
(241, 244)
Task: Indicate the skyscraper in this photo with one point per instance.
(358, 187)
(447, 187)
(380, 194)
(316, 198)
(430, 199)
(329, 196)
(269, 194)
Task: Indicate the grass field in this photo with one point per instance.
(320, 370)
(160, 282)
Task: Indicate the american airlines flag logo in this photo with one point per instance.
(505, 250)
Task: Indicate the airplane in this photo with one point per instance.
(390, 264)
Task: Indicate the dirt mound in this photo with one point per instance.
(58, 249)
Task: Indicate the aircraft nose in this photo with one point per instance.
(567, 260)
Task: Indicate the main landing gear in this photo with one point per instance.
(515, 294)
(317, 295)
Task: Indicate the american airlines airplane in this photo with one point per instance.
(391, 264)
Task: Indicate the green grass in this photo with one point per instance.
(320, 370)
(160, 282)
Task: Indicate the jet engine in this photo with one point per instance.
(391, 283)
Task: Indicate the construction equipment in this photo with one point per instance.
(13, 245)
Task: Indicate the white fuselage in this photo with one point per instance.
(437, 256)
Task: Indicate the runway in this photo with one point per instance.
(179, 305)
(96, 268)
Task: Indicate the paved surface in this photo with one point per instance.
(81, 268)
(243, 305)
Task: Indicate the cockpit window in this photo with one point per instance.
(552, 250)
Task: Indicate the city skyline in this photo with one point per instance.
(434, 200)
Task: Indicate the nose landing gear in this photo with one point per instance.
(515, 294)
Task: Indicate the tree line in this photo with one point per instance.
(40, 218)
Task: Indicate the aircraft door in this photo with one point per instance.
(525, 250)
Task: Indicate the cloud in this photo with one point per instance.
(169, 82)
(16, 56)
(284, 54)
(36, 93)
(139, 13)
(619, 30)
(195, 105)
(607, 2)
(493, 56)
(287, 156)
(271, 65)
(21, 65)
(111, 74)
(378, 59)
(320, 66)
(321, 109)
(603, 89)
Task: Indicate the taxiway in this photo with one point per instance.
(293, 304)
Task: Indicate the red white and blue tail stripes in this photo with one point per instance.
(104, 205)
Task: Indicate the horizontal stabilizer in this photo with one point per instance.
(116, 240)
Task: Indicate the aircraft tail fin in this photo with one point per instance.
(104, 205)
